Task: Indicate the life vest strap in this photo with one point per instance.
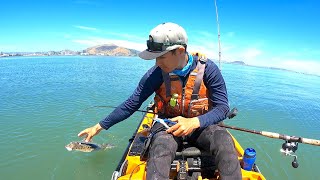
(167, 82)
(199, 77)
(195, 93)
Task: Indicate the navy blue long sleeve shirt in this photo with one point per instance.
(152, 81)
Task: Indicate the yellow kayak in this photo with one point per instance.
(132, 167)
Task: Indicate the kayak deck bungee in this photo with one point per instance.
(132, 167)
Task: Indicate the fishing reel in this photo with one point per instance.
(289, 148)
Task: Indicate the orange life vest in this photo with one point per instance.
(192, 98)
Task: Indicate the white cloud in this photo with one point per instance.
(130, 44)
(230, 34)
(67, 36)
(122, 43)
(298, 65)
(206, 34)
(251, 53)
(230, 52)
(117, 35)
(207, 42)
(256, 57)
(9, 48)
(86, 42)
(203, 49)
(128, 36)
(86, 28)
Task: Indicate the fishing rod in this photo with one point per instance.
(218, 26)
(276, 135)
(289, 147)
(114, 108)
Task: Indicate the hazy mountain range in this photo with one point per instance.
(101, 50)
(111, 50)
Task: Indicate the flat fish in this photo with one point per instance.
(87, 146)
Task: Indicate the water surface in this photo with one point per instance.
(43, 98)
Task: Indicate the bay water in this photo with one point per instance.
(44, 104)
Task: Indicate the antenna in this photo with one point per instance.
(218, 26)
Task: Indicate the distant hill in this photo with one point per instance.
(238, 62)
(111, 50)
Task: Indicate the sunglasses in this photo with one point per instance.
(159, 47)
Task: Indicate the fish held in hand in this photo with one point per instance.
(86, 146)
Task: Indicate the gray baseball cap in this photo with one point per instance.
(164, 38)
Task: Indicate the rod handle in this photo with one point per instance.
(311, 141)
(270, 134)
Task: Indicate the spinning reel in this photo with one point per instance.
(289, 148)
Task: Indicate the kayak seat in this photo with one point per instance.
(191, 162)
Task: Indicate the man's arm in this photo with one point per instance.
(217, 96)
(147, 85)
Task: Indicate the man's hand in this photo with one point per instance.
(184, 126)
(90, 132)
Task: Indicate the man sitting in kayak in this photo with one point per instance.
(191, 91)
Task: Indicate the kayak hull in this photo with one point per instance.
(132, 167)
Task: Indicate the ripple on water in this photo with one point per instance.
(21, 155)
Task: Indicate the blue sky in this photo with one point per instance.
(277, 33)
